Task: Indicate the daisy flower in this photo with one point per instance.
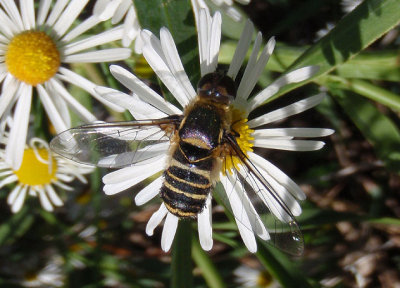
(225, 5)
(39, 174)
(145, 103)
(250, 277)
(36, 47)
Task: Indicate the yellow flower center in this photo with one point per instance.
(32, 57)
(36, 170)
(243, 139)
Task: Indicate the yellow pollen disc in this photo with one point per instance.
(32, 57)
(33, 171)
(244, 140)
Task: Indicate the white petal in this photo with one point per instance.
(68, 16)
(100, 56)
(75, 105)
(44, 7)
(241, 50)
(278, 175)
(138, 108)
(105, 9)
(241, 217)
(287, 111)
(149, 192)
(121, 11)
(131, 27)
(115, 183)
(80, 29)
(56, 11)
(215, 40)
(254, 68)
(28, 14)
(76, 79)
(292, 132)
(156, 219)
(290, 145)
(204, 221)
(19, 201)
(105, 37)
(154, 55)
(291, 77)
(14, 194)
(174, 62)
(10, 179)
(8, 28)
(44, 200)
(13, 13)
(131, 82)
(55, 199)
(169, 230)
(52, 112)
(9, 89)
(17, 139)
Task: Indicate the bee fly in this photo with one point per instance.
(199, 142)
(194, 163)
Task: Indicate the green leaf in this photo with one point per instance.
(378, 129)
(16, 226)
(356, 31)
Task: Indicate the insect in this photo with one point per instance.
(199, 142)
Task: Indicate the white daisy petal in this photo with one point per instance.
(105, 55)
(214, 41)
(8, 180)
(131, 27)
(12, 11)
(44, 200)
(290, 145)
(138, 108)
(16, 142)
(292, 132)
(156, 219)
(8, 29)
(149, 192)
(287, 111)
(169, 230)
(52, 112)
(14, 194)
(241, 50)
(295, 76)
(68, 16)
(174, 63)
(28, 14)
(154, 55)
(76, 79)
(122, 9)
(44, 7)
(93, 41)
(131, 82)
(119, 180)
(9, 89)
(53, 196)
(19, 200)
(204, 221)
(278, 175)
(56, 12)
(85, 114)
(241, 217)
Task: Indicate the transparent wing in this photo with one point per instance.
(263, 206)
(116, 144)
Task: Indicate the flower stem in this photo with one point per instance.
(181, 266)
(207, 267)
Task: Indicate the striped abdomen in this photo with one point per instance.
(187, 184)
(188, 178)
